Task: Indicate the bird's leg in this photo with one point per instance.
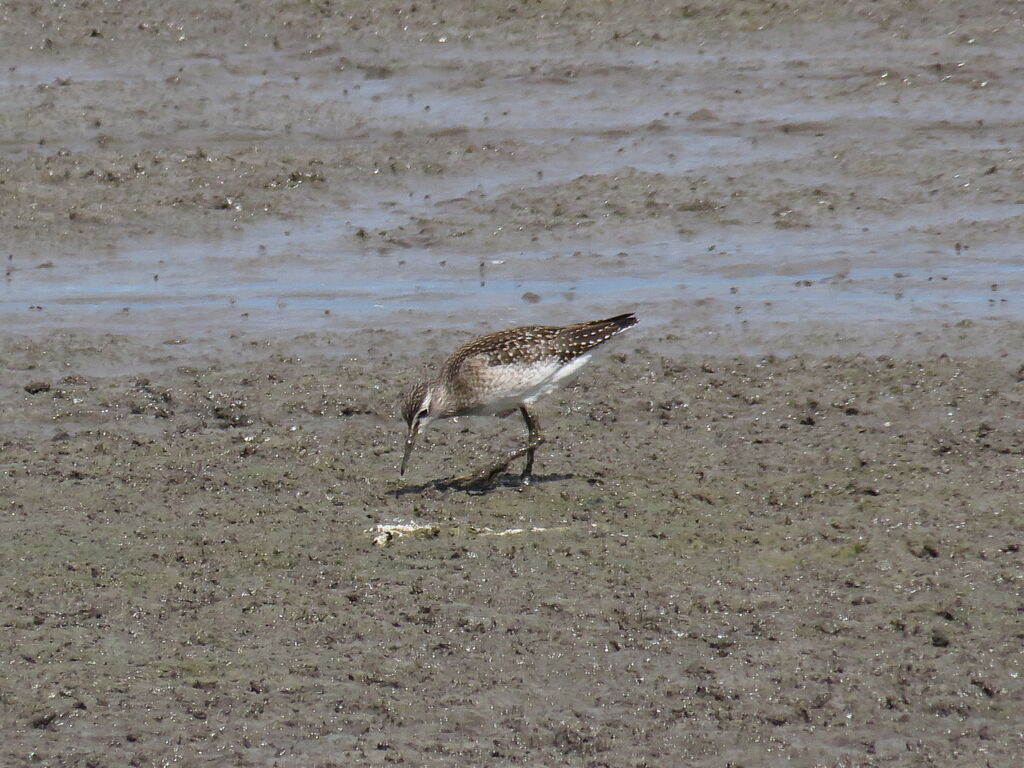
(487, 474)
(534, 441)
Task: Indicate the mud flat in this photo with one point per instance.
(779, 523)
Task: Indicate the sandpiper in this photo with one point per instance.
(500, 372)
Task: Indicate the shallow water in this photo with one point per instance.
(773, 116)
(281, 278)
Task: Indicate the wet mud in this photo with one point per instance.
(777, 523)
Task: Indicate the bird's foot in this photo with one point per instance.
(485, 477)
(475, 480)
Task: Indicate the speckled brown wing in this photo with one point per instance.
(530, 343)
(575, 340)
(523, 345)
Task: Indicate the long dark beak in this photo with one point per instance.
(409, 442)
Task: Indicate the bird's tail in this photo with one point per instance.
(593, 332)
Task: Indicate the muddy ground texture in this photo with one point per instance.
(722, 561)
(806, 554)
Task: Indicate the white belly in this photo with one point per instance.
(512, 385)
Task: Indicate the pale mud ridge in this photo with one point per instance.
(778, 523)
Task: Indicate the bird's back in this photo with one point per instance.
(530, 343)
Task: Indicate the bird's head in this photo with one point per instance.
(416, 413)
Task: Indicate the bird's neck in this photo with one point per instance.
(442, 403)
